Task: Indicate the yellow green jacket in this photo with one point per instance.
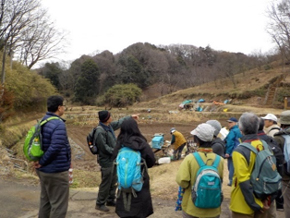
(177, 139)
(186, 177)
(243, 199)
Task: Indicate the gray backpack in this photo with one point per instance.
(265, 178)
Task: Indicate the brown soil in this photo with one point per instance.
(86, 170)
(163, 186)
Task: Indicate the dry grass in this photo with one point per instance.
(163, 183)
(252, 81)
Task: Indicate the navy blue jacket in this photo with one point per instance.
(55, 144)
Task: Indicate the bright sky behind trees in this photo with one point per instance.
(97, 25)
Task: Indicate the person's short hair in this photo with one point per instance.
(261, 123)
(216, 125)
(249, 123)
(53, 102)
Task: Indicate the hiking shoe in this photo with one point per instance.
(102, 208)
(111, 204)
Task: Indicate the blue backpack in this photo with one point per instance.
(130, 174)
(207, 190)
(286, 152)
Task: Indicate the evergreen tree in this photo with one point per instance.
(52, 71)
(87, 84)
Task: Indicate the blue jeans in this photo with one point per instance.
(231, 170)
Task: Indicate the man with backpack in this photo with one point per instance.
(248, 196)
(232, 140)
(271, 128)
(201, 198)
(52, 168)
(270, 125)
(283, 139)
(278, 153)
(106, 141)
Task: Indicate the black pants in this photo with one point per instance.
(178, 151)
(279, 200)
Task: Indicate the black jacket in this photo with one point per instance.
(141, 206)
(218, 146)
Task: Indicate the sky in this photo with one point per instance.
(97, 25)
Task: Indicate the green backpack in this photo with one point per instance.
(33, 142)
(265, 178)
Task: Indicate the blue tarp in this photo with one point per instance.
(201, 100)
(186, 102)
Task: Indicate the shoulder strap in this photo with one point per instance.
(249, 146)
(100, 127)
(216, 161)
(274, 128)
(198, 159)
(201, 162)
(94, 131)
(48, 119)
(265, 144)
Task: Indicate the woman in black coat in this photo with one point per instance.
(130, 136)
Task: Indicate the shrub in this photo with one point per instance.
(122, 95)
(29, 89)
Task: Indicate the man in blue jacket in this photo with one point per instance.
(232, 140)
(52, 168)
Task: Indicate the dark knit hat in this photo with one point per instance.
(104, 116)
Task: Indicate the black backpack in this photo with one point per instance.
(91, 143)
(278, 153)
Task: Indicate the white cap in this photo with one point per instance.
(204, 132)
(270, 117)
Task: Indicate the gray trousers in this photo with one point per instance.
(107, 188)
(54, 194)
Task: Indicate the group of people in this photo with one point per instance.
(53, 166)
(243, 202)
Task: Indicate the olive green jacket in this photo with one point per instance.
(105, 140)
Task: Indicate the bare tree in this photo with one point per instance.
(228, 64)
(279, 27)
(25, 30)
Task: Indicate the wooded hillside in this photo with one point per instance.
(170, 68)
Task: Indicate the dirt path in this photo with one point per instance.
(21, 200)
